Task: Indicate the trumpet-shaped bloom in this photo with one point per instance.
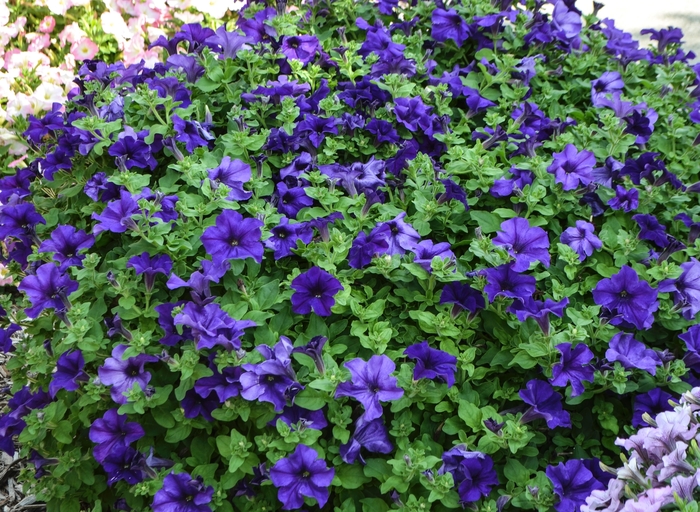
(273, 380)
(182, 493)
(69, 371)
(233, 174)
(65, 243)
(432, 363)
(233, 237)
(122, 374)
(111, 430)
(144, 264)
(544, 403)
(572, 168)
(48, 288)
(632, 353)
(507, 282)
(370, 435)
(574, 367)
(448, 24)
(524, 243)
(314, 290)
(634, 300)
(371, 383)
(301, 474)
(581, 239)
(572, 483)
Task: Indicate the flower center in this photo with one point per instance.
(306, 474)
(623, 293)
(234, 243)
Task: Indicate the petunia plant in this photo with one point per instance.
(355, 255)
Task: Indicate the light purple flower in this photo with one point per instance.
(524, 243)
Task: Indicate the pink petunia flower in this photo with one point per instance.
(47, 24)
(84, 49)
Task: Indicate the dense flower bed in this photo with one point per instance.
(356, 255)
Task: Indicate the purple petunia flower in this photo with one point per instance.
(463, 297)
(144, 264)
(117, 216)
(478, 477)
(448, 24)
(692, 344)
(626, 200)
(233, 174)
(432, 363)
(412, 113)
(301, 48)
(572, 168)
(302, 418)
(365, 247)
(285, 235)
(233, 237)
(383, 131)
(225, 385)
(453, 191)
(634, 300)
(401, 236)
(124, 463)
(524, 243)
(291, 200)
(538, 310)
(113, 430)
(182, 493)
(544, 403)
(370, 435)
(314, 349)
(651, 229)
(130, 150)
(574, 367)
(48, 288)
(194, 405)
(686, 289)
(271, 380)
(316, 127)
(69, 370)
(581, 239)
(632, 353)
(572, 483)
(652, 402)
(192, 133)
(609, 82)
(65, 243)
(212, 326)
(504, 187)
(301, 474)
(506, 282)
(121, 374)
(314, 290)
(371, 383)
(426, 251)
(6, 344)
(98, 188)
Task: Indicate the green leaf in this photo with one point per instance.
(266, 296)
(63, 432)
(351, 476)
(488, 222)
(516, 472)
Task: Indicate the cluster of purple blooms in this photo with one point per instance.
(521, 247)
